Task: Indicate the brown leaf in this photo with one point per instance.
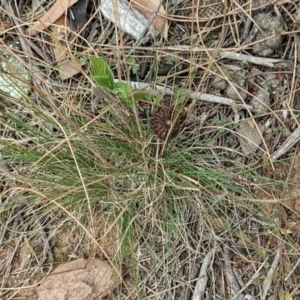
(58, 9)
(68, 67)
(147, 8)
(250, 136)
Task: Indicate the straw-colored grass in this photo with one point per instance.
(85, 176)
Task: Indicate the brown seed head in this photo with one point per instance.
(162, 121)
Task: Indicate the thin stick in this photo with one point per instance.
(232, 281)
(268, 281)
(289, 143)
(293, 270)
(202, 281)
(157, 89)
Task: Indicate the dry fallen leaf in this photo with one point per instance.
(67, 67)
(250, 136)
(147, 8)
(58, 8)
(78, 279)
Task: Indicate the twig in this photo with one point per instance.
(186, 295)
(268, 281)
(262, 61)
(157, 89)
(202, 281)
(293, 270)
(253, 219)
(232, 281)
(252, 279)
(239, 280)
(289, 143)
(220, 100)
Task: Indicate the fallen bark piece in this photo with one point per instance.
(126, 18)
(148, 8)
(78, 279)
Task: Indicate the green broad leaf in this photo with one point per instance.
(101, 72)
(141, 96)
(158, 99)
(103, 81)
(122, 89)
(133, 65)
(171, 60)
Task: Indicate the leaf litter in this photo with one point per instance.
(245, 139)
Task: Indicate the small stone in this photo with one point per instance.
(219, 83)
(232, 94)
(261, 101)
(78, 280)
(270, 25)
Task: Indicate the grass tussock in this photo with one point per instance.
(84, 175)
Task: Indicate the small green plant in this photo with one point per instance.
(103, 76)
(101, 73)
(171, 60)
(133, 65)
